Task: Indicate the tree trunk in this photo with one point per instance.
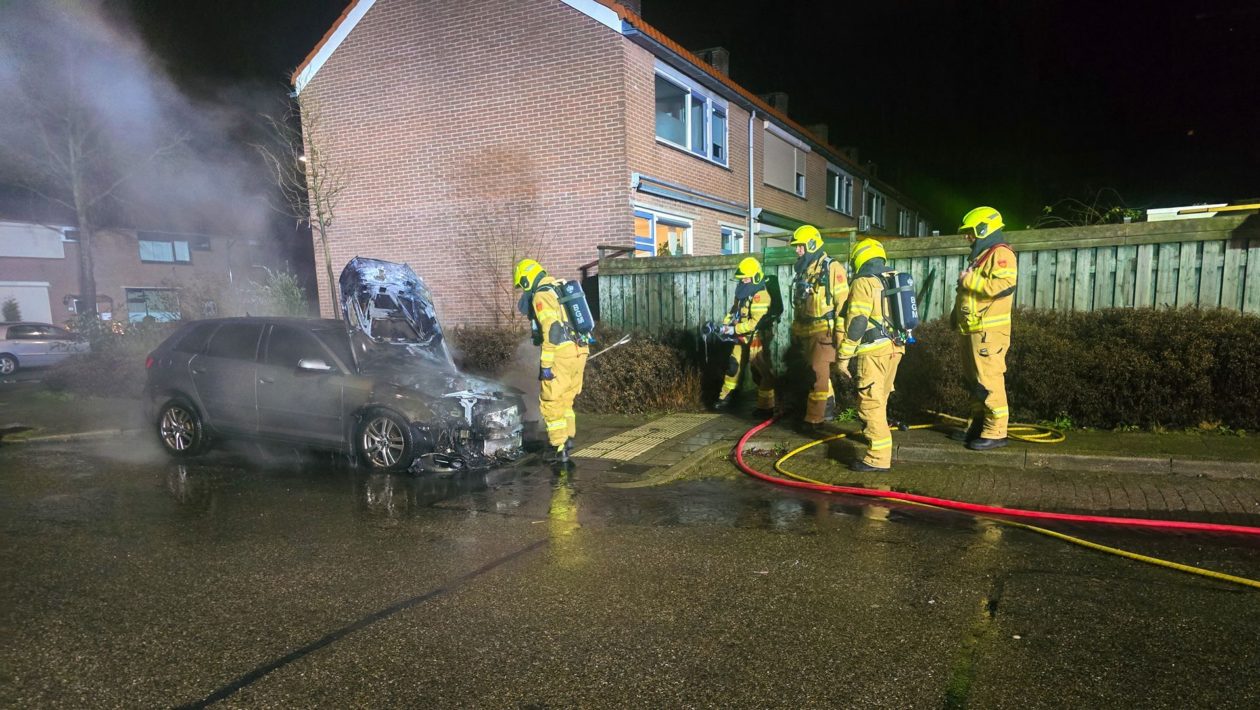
(332, 282)
(87, 271)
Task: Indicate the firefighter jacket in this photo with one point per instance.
(866, 330)
(558, 338)
(750, 309)
(819, 294)
(987, 294)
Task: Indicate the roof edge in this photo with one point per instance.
(332, 39)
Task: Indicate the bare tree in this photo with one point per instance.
(62, 148)
(310, 180)
(1105, 207)
(504, 233)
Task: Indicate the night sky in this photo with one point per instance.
(1014, 103)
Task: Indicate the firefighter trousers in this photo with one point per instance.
(819, 350)
(876, 375)
(555, 400)
(984, 360)
(759, 360)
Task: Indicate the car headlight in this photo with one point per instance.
(508, 418)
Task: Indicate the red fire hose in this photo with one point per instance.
(992, 510)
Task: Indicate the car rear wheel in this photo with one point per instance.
(8, 364)
(180, 429)
(385, 441)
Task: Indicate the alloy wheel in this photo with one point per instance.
(383, 442)
(178, 429)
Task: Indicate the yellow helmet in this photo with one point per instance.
(527, 273)
(982, 221)
(807, 236)
(866, 250)
(749, 268)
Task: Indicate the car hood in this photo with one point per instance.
(388, 306)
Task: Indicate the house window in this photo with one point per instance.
(839, 190)
(168, 252)
(660, 235)
(922, 231)
(905, 223)
(875, 207)
(160, 304)
(783, 164)
(732, 240)
(689, 118)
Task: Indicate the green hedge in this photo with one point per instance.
(1105, 369)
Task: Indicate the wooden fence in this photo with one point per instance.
(1204, 263)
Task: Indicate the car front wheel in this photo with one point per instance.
(180, 429)
(8, 364)
(385, 442)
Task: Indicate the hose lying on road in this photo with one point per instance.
(1032, 433)
(999, 513)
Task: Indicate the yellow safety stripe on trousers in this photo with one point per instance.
(556, 424)
(570, 414)
(1000, 412)
(818, 396)
(848, 348)
(881, 444)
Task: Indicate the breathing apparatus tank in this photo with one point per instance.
(901, 304)
(573, 298)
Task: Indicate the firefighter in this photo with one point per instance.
(819, 291)
(563, 360)
(868, 337)
(982, 313)
(748, 324)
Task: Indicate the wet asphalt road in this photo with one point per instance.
(263, 579)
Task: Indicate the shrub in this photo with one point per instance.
(646, 374)
(485, 350)
(11, 310)
(1106, 369)
(115, 366)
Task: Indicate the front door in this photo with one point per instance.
(294, 403)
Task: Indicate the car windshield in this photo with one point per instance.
(376, 355)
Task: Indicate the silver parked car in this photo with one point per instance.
(26, 344)
(381, 385)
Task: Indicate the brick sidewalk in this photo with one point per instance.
(1022, 475)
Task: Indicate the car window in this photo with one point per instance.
(25, 332)
(337, 342)
(61, 333)
(287, 346)
(194, 341)
(235, 340)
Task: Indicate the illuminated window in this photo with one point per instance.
(660, 235)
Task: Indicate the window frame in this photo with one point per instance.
(878, 207)
(844, 189)
(174, 250)
(157, 314)
(800, 161)
(738, 233)
(713, 109)
(655, 216)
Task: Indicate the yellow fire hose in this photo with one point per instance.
(1040, 435)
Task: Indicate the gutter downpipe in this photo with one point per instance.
(752, 116)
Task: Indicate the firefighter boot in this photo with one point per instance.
(982, 444)
(971, 433)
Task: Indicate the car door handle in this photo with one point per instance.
(265, 380)
(199, 370)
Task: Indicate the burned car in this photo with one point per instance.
(381, 385)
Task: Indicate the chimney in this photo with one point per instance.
(778, 101)
(717, 57)
(852, 153)
(634, 6)
(872, 168)
(819, 130)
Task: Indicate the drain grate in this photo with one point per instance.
(631, 444)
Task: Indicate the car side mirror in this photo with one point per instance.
(313, 364)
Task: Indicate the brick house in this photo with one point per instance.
(138, 273)
(476, 132)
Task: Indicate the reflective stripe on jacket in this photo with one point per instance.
(865, 326)
(986, 296)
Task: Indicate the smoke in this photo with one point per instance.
(522, 373)
(159, 158)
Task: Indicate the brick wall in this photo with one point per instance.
(472, 130)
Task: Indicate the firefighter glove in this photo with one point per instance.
(545, 373)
